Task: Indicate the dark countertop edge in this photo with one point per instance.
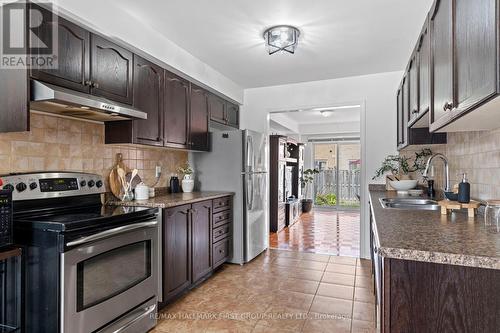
(146, 203)
(431, 257)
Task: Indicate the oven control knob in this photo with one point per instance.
(8, 187)
(83, 183)
(33, 186)
(91, 183)
(98, 183)
(21, 187)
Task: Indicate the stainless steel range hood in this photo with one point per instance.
(53, 99)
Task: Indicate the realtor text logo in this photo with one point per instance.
(28, 36)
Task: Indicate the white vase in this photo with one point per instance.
(187, 184)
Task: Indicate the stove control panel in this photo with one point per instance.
(30, 186)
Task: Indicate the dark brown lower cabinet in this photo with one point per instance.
(201, 215)
(176, 251)
(193, 245)
(415, 297)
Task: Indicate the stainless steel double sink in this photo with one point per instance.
(409, 203)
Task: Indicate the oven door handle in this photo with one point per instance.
(112, 232)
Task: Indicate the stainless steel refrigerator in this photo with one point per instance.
(237, 163)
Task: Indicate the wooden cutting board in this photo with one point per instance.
(115, 184)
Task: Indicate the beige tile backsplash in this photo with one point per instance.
(477, 154)
(63, 144)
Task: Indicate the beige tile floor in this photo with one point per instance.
(280, 291)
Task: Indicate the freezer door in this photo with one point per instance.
(254, 151)
(255, 219)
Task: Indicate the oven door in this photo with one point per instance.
(107, 275)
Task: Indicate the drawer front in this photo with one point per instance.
(221, 204)
(221, 232)
(220, 252)
(221, 218)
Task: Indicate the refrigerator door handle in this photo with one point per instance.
(249, 194)
(249, 154)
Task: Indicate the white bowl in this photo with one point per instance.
(403, 185)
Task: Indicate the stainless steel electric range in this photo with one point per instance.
(88, 267)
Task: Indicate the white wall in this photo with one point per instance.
(377, 95)
(112, 20)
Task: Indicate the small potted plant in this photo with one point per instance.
(397, 169)
(307, 179)
(187, 180)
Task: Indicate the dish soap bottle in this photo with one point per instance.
(464, 190)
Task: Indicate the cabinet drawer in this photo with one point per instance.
(221, 204)
(220, 252)
(221, 218)
(221, 232)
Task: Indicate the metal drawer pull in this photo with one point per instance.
(112, 232)
(146, 312)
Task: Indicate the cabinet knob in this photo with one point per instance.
(87, 83)
(447, 106)
(414, 112)
(95, 85)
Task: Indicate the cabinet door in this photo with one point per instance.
(176, 251)
(111, 70)
(14, 89)
(198, 123)
(148, 97)
(72, 70)
(400, 117)
(233, 115)
(405, 92)
(217, 108)
(475, 52)
(441, 29)
(176, 111)
(413, 87)
(424, 59)
(201, 239)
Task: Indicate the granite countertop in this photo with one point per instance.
(431, 237)
(170, 200)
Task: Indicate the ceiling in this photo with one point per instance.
(345, 119)
(343, 115)
(338, 38)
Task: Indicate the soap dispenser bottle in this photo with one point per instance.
(464, 190)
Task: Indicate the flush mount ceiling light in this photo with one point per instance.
(326, 113)
(281, 38)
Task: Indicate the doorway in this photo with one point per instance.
(332, 146)
(338, 183)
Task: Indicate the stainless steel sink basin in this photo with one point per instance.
(409, 203)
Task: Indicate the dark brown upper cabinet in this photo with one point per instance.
(405, 111)
(400, 125)
(73, 62)
(441, 28)
(223, 112)
(424, 60)
(148, 97)
(201, 226)
(464, 66)
(475, 52)
(111, 70)
(176, 111)
(217, 108)
(198, 119)
(233, 115)
(413, 87)
(14, 92)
